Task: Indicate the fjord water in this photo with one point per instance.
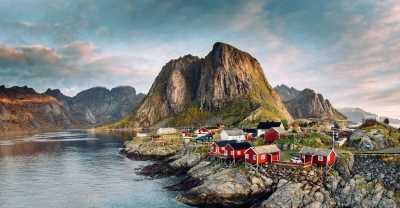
(75, 169)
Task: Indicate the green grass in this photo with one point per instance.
(311, 140)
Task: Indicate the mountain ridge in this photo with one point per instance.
(308, 104)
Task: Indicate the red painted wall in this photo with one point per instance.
(270, 136)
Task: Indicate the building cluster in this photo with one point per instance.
(236, 145)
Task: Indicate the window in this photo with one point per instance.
(222, 148)
(233, 152)
(262, 157)
(320, 158)
(254, 157)
(246, 156)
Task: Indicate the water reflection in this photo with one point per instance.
(75, 169)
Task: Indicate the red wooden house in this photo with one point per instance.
(274, 134)
(236, 150)
(218, 148)
(263, 154)
(323, 157)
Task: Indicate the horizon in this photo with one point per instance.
(346, 52)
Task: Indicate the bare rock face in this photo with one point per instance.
(224, 76)
(23, 110)
(308, 104)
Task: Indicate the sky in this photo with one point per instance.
(347, 50)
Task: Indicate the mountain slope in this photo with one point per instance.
(226, 86)
(99, 105)
(308, 104)
(24, 110)
(357, 115)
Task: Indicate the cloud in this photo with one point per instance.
(73, 67)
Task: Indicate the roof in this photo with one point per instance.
(279, 130)
(240, 145)
(315, 151)
(225, 142)
(250, 130)
(161, 131)
(268, 124)
(234, 132)
(266, 149)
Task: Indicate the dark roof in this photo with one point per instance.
(225, 142)
(240, 145)
(268, 124)
(250, 130)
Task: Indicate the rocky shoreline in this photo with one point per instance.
(210, 183)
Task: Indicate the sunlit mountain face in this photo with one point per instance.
(346, 51)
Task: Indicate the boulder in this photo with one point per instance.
(230, 187)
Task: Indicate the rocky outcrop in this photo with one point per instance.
(308, 104)
(368, 139)
(289, 194)
(99, 105)
(359, 192)
(228, 188)
(225, 77)
(23, 110)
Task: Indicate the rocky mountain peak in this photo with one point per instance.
(307, 104)
(225, 75)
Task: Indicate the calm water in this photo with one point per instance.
(75, 169)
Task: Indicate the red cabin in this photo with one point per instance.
(263, 154)
(274, 134)
(219, 148)
(322, 157)
(236, 150)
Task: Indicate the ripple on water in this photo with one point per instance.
(75, 169)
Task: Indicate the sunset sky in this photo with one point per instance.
(347, 50)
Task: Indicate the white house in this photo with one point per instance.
(164, 131)
(233, 134)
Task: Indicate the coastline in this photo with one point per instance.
(210, 183)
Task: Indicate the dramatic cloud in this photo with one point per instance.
(346, 50)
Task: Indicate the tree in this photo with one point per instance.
(285, 124)
(386, 121)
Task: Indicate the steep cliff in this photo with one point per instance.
(24, 110)
(308, 104)
(227, 86)
(99, 105)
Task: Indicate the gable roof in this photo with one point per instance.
(266, 149)
(268, 124)
(223, 143)
(240, 145)
(315, 151)
(234, 132)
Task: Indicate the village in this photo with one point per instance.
(268, 143)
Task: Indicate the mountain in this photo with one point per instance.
(287, 93)
(307, 104)
(22, 109)
(357, 115)
(99, 105)
(227, 86)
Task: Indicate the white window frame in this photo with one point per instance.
(254, 157)
(320, 158)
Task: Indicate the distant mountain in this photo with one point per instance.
(24, 110)
(99, 105)
(357, 115)
(227, 86)
(307, 104)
